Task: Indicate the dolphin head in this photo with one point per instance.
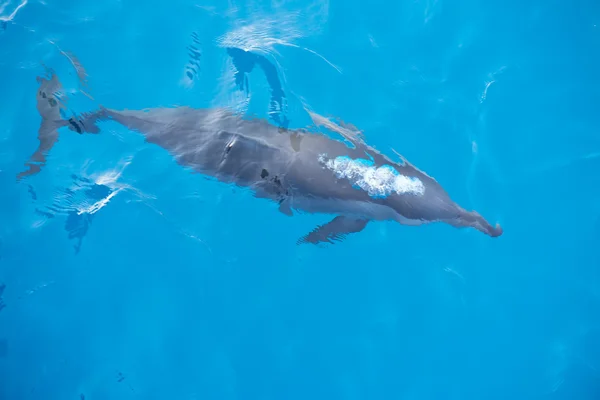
(411, 197)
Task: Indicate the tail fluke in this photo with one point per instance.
(50, 102)
(87, 122)
(52, 107)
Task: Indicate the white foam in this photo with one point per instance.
(92, 209)
(108, 178)
(260, 36)
(377, 181)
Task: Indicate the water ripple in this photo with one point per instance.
(9, 9)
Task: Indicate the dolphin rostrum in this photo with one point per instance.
(298, 169)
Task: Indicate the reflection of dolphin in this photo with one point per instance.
(49, 108)
(244, 62)
(50, 105)
(299, 170)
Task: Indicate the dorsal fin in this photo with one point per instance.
(354, 136)
(351, 127)
(407, 163)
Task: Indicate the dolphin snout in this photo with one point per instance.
(474, 220)
(496, 231)
(482, 225)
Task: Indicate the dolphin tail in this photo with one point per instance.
(52, 108)
(472, 219)
(87, 122)
(51, 105)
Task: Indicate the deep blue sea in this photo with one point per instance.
(123, 275)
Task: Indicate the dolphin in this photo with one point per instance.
(300, 170)
(51, 103)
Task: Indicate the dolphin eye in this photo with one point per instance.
(44, 94)
(52, 102)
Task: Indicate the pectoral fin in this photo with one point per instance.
(284, 208)
(335, 230)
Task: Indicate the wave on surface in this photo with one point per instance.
(10, 8)
(82, 199)
(261, 33)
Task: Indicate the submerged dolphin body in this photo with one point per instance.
(49, 107)
(51, 103)
(298, 169)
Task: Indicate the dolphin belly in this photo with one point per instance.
(354, 208)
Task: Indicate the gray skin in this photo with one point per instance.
(48, 105)
(50, 101)
(286, 167)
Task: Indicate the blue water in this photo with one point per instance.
(125, 276)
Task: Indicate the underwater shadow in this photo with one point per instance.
(244, 62)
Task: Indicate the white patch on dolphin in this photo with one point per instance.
(376, 181)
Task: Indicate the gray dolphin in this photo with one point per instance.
(298, 169)
(51, 103)
(48, 105)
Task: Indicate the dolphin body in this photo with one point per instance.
(52, 105)
(298, 169)
(49, 106)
